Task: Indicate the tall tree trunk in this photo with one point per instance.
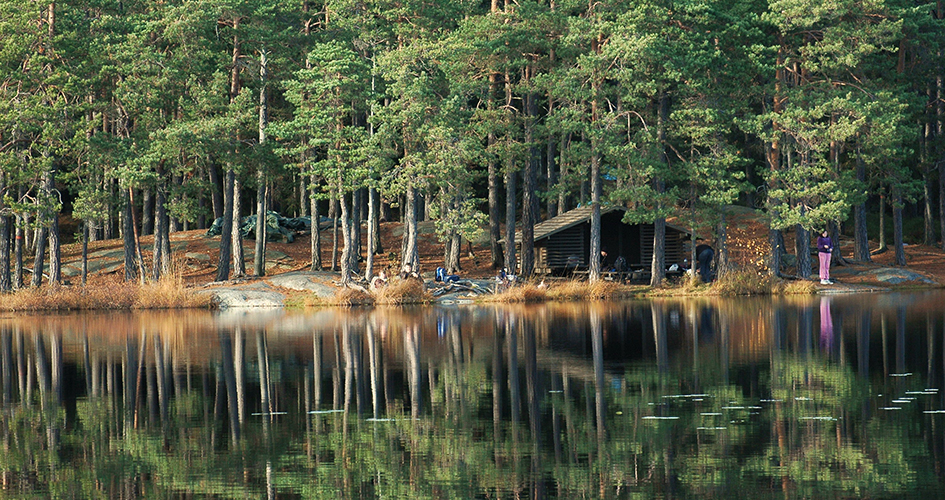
(128, 235)
(333, 213)
(802, 250)
(5, 224)
(316, 239)
(85, 252)
(217, 189)
(658, 266)
(495, 225)
(900, 250)
(509, 250)
(562, 174)
(594, 253)
(259, 260)
(239, 262)
(411, 255)
(226, 233)
(18, 254)
(346, 234)
(861, 246)
(355, 254)
(530, 186)
(147, 212)
(722, 260)
(372, 234)
(928, 226)
(160, 262)
(882, 220)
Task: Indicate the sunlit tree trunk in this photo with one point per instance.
(259, 259)
(226, 233)
(316, 238)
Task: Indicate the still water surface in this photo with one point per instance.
(808, 397)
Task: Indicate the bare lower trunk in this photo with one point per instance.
(259, 259)
(239, 263)
(802, 250)
(372, 234)
(226, 234)
(900, 259)
(348, 247)
(509, 250)
(722, 261)
(316, 240)
(411, 255)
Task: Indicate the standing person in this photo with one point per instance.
(704, 255)
(824, 249)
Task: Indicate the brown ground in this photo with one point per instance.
(747, 237)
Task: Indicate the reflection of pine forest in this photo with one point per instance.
(665, 399)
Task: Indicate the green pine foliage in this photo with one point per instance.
(676, 108)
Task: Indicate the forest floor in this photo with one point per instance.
(196, 256)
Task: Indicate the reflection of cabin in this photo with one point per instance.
(568, 236)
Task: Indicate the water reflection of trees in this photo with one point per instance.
(493, 402)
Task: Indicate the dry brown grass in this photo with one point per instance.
(351, 297)
(584, 290)
(795, 287)
(520, 293)
(745, 282)
(169, 293)
(400, 292)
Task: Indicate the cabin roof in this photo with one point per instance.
(572, 218)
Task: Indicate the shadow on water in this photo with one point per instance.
(813, 397)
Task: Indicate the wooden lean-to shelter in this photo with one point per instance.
(563, 242)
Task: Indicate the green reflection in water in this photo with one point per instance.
(630, 400)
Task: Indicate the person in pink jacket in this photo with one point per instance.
(824, 250)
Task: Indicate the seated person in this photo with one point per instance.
(441, 276)
(379, 281)
(408, 272)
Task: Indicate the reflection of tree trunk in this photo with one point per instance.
(42, 369)
(497, 383)
(882, 330)
(229, 379)
(316, 370)
(901, 339)
(336, 374)
(412, 353)
(375, 364)
(129, 377)
(863, 343)
(534, 391)
(151, 396)
(86, 359)
(805, 325)
(659, 335)
(95, 370)
(597, 345)
(514, 389)
(239, 353)
(349, 364)
(161, 376)
(262, 353)
(930, 336)
(6, 358)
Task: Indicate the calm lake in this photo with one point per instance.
(798, 397)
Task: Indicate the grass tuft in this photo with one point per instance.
(584, 290)
(796, 287)
(745, 282)
(399, 292)
(526, 292)
(351, 297)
